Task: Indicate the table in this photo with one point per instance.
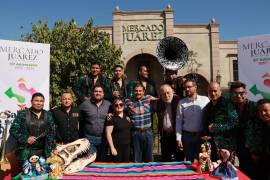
(142, 171)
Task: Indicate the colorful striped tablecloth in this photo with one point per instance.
(137, 171)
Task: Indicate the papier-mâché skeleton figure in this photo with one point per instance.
(75, 155)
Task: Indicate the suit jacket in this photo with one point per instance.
(160, 110)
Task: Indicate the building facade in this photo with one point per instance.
(139, 32)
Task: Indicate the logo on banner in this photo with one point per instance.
(266, 82)
(20, 99)
(24, 70)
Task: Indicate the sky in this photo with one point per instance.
(237, 18)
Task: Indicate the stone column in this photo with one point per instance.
(116, 33)
(214, 49)
(168, 21)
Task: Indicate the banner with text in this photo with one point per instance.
(254, 65)
(24, 70)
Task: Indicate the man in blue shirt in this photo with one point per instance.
(94, 112)
(189, 121)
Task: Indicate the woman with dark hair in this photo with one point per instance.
(33, 130)
(118, 133)
(263, 110)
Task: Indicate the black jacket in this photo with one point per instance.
(67, 124)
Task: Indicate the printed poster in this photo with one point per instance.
(254, 65)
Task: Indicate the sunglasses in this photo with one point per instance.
(236, 94)
(119, 105)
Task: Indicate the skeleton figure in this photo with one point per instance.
(205, 157)
(75, 155)
(34, 166)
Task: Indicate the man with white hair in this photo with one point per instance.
(166, 111)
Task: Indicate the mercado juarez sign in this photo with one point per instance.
(152, 32)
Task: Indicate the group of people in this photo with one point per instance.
(239, 125)
(116, 116)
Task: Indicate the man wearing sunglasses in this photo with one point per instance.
(246, 143)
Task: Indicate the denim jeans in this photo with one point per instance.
(98, 145)
(191, 146)
(142, 146)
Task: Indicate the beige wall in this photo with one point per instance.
(228, 53)
(203, 39)
(197, 40)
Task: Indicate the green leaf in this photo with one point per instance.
(73, 49)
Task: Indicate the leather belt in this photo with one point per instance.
(192, 133)
(142, 129)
